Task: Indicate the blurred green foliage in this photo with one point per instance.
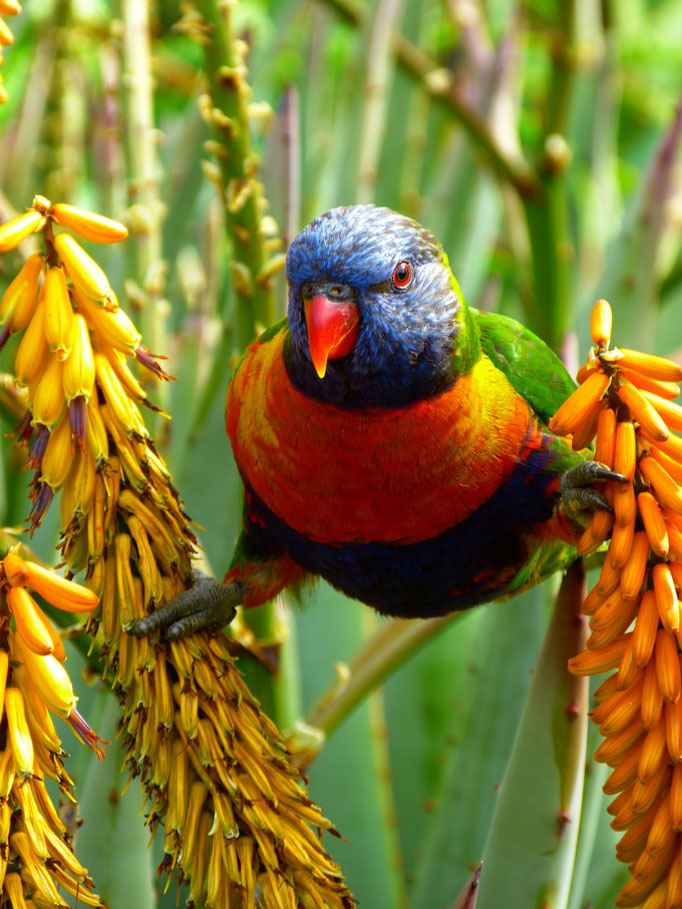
(528, 137)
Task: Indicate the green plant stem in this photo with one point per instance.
(438, 84)
(146, 210)
(225, 109)
(377, 81)
(389, 647)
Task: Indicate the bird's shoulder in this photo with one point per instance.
(533, 369)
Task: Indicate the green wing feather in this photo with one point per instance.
(534, 370)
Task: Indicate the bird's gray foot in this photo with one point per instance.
(207, 604)
(579, 500)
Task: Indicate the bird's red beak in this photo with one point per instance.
(332, 329)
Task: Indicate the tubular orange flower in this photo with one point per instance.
(580, 403)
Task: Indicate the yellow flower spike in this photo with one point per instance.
(114, 328)
(29, 624)
(36, 873)
(654, 525)
(22, 305)
(38, 716)
(178, 786)
(57, 461)
(667, 490)
(84, 272)
(6, 36)
(32, 821)
(578, 405)
(58, 591)
(58, 313)
(48, 397)
(7, 770)
(19, 733)
(50, 679)
(4, 666)
(119, 363)
(16, 230)
(79, 369)
(600, 323)
(9, 8)
(83, 480)
(88, 224)
(659, 368)
(643, 412)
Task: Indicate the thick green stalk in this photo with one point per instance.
(439, 85)
(529, 856)
(146, 212)
(256, 256)
(388, 648)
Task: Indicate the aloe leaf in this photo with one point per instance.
(529, 856)
(113, 840)
(490, 677)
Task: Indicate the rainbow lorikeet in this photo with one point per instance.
(391, 439)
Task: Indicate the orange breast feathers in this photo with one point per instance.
(400, 475)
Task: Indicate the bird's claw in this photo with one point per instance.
(578, 499)
(207, 604)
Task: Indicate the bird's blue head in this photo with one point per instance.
(375, 317)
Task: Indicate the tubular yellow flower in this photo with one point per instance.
(82, 269)
(48, 398)
(58, 313)
(16, 230)
(58, 458)
(114, 328)
(18, 301)
(33, 352)
(79, 369)
(88, 224)
(29, 624)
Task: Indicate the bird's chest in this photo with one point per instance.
(398, 476)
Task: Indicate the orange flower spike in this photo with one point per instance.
(646, 627)
(605, 690)
(670, 413)
(621, 544)
(16, 570)
(621, 800)
(624, 706)
(652, 699)
(642, 411)
(624, 503)
(591, 662)
(674, 535)
(630, 845)
(674, 892)
(632, 576)
(613, 606)
(666, 596)
(61, 593)
(666, 390)
(29, 625)
(668, 665)
(655, 367)
(611, 749)
(606, 437)
(601, 321)
(585, 370)
(625, 452)
(672, 447)
(578, 405)
(654, 525)
(667, 491)
(592, 602)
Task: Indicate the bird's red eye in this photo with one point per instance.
(402, 274)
